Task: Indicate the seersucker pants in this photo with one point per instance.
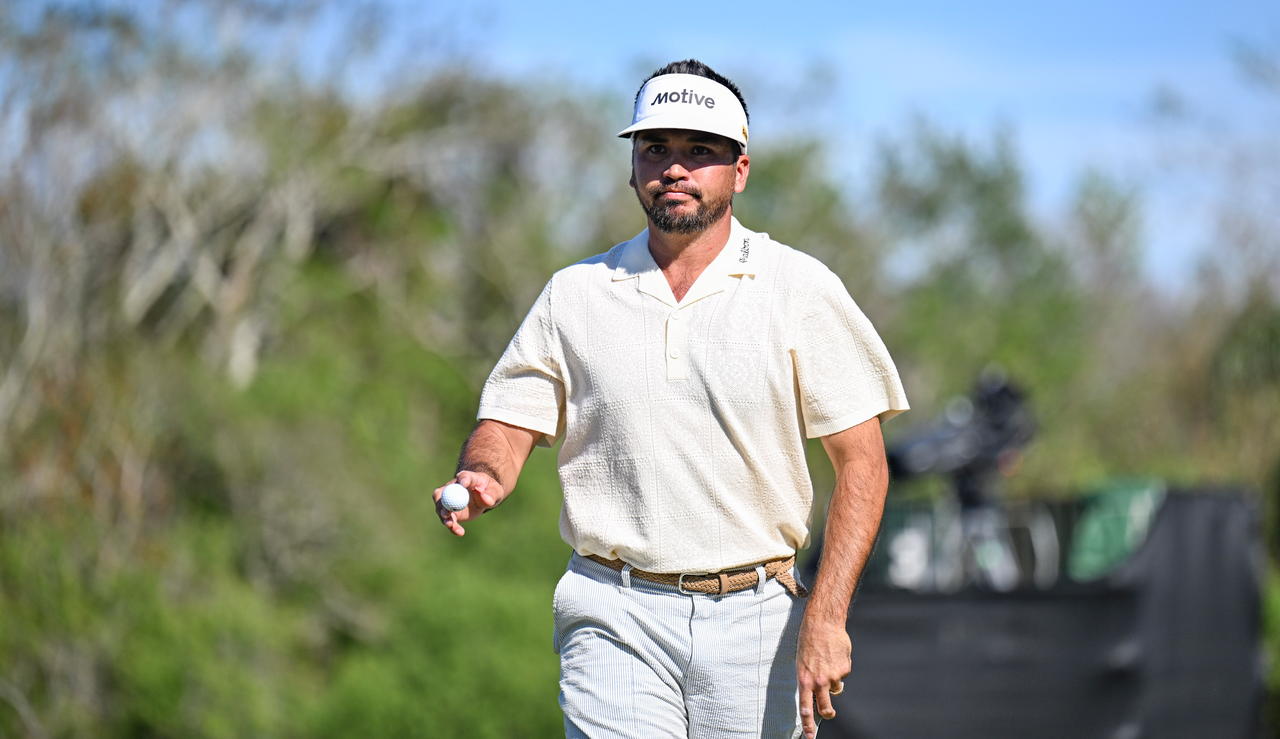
(639, 660)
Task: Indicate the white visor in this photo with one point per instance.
(690, 102)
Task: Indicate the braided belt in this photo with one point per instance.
(718, 583)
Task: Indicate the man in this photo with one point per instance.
(683, 371)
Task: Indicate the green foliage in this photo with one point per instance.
(173, 643)
(1249, 356)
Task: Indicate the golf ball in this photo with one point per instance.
(454, 497)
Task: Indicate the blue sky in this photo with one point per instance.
(1071, 80)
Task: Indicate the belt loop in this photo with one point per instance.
(626, 576)
(760, 582)
(724, 584)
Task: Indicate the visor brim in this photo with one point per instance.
(686, 122)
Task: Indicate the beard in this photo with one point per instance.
(662, 214)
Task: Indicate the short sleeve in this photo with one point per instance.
(526, 387)
(846, 375)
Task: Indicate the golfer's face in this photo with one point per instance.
(676, 169)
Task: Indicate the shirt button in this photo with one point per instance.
(675, 315)
(675, 353)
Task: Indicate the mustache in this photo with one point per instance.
(692, 191)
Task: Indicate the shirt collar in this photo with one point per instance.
(635, 259)
(738, 257)
(741, 254)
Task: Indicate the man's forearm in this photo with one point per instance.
(852, 522)
(853, 518)
(862, 479)
(488, 467)
(497, 450)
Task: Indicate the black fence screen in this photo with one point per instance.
(1165, 645)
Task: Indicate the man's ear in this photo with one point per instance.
(741, 169)
(632, 181)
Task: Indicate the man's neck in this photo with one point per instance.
(682, 257)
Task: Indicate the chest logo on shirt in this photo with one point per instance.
(745, 251)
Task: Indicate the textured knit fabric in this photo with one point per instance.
(684, 422)
(638, 660)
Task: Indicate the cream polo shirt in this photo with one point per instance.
(684, 422)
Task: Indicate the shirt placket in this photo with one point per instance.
(677, 346)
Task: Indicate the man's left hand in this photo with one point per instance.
(822, 662)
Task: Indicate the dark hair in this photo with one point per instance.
(693, 66)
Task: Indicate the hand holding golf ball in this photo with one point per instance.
(465, 498)
(455, 497)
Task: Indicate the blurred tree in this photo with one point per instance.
(1218, 338)
(983, 284)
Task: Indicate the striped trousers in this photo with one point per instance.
(639, 660)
